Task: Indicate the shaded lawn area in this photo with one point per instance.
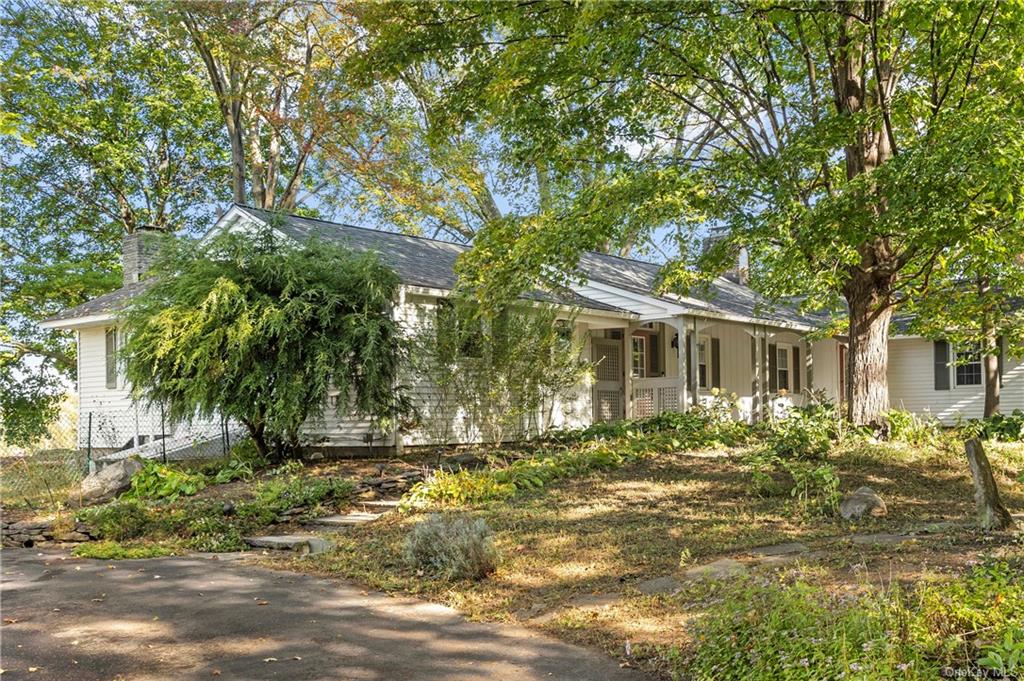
(580, 539)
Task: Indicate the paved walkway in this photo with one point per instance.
(197, 618)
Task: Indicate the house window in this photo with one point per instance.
(782, 367)
(702, 362)
(111, 357)
(968, 366)
(639, 356)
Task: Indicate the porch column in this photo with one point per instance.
(755, 378)
(627, 369)
(691, 363)
(809, 364)
(682, 382)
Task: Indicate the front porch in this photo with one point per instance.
(643, 369)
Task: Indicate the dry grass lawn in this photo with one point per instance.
(573, 554)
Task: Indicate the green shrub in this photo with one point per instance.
(119, 520)
(451, 547)
(1004, 427)
(230, 470)
(815, 487)
(285, 492)
(803, 433)
(764, 630)
(159, 481)
(112, 550)
(906, 426)
(457, 488)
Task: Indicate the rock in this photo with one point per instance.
(723, 567)
(299, 543)
(659, 586)
(73, 537)
(865, 501)
(107, 481)
(32, 526)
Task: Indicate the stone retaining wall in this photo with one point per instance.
(34, 532)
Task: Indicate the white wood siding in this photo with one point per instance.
(912, 384)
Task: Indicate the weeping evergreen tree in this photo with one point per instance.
(263, 330)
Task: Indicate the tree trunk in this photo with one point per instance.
(868, 358)
(989, 348)
(992, 515)
(868, 289)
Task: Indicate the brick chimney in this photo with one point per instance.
(138, 252)
(739, 272)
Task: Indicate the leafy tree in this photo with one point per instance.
(105, 129)
(816, 132)
(502, 371)
(263, 331)
(280, 89)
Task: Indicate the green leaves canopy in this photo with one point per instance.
(265, 331)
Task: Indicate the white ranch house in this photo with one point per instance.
(653, 352)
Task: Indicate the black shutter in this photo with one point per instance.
(690, 370)
(111, 357)
(655, 354)
(796, 370)
(941, 365)
(716, 364)
(773, 367)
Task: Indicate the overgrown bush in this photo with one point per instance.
(160, 481)
(451, 547)
(767, 630)
(906, 426)
(120, 519)
(210, 525)
(1004, 427)
(803, 433)
(812, 485)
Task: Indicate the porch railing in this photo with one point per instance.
(652, 396)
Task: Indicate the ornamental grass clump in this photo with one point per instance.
(451, 547)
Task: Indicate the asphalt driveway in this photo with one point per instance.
(198, 618)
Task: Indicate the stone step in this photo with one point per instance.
(383, 504)
(303, 544)
(352, 519)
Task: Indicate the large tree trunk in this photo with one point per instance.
(870, 282)
(868, 358)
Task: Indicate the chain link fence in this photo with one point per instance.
(42, 473)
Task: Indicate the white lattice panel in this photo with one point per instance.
(609, 405)
(668, 399)
(643, 403)
(609, 369)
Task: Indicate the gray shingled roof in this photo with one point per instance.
(430, 263)
(721, 295)
(105, 304)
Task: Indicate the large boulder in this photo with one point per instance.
(107, 481)
(864, 501)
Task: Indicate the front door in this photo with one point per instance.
(608, 399)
